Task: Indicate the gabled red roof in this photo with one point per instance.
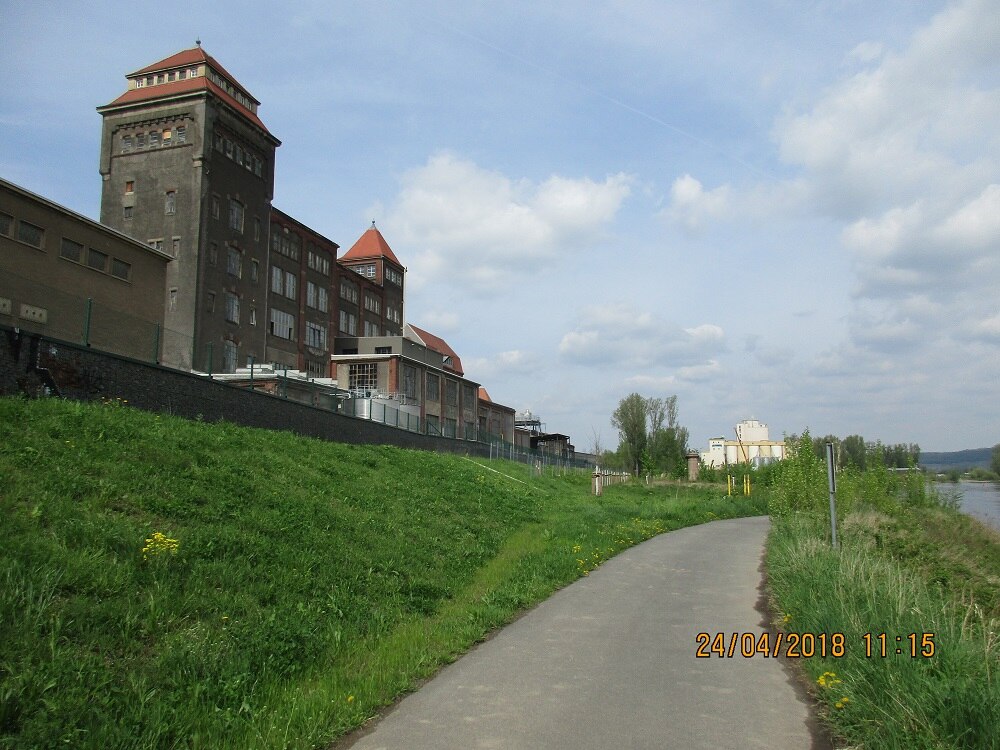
(440, 346)
(371, 245)
(483, 395)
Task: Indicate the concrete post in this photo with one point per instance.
(694, 465)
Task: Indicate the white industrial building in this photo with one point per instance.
(751, 446)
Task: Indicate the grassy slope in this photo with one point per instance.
(312, 583)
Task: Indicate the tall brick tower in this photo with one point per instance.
(188, 166)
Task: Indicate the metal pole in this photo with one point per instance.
(831, 479)
(209, 345)
(251, 372)
(156, 344)
(87, 313)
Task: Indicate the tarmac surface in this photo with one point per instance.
(609, 662)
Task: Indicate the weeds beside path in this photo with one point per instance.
(913, 598)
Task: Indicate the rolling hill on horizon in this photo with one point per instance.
(965, 459)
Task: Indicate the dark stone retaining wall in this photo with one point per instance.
(33, 365)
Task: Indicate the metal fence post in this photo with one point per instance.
(156, 344)
(87, 313)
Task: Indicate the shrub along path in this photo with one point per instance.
(610, 661)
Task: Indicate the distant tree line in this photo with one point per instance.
(855, 451)
(650, 438)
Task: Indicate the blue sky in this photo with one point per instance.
(775, 210)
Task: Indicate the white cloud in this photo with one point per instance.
(976, 225)
(866, 52)
(917, 123)
(692, 206)
(438, 321)
(906, 155)
(622, 336)
(508, 362)
(478, 227)
(988, 330)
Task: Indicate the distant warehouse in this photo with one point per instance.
(751, 446)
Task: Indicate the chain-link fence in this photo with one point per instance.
(39, 308)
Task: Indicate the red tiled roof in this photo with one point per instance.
(193, 56)
(178, 88)
(440, 346)
(371, 245)
(483, 395)
(187, 57)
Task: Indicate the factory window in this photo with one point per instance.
(29, 234)
(232, 308)
(236, 212)
(234, 263)
(229, 356)
(363, 377)
(71, 250)
(282, 324)
(120, 269)
(315, 336)
(411, 381)
(348, 291)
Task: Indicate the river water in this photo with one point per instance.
(982, 500)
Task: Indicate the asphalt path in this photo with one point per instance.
(609, 662)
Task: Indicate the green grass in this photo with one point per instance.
(312, 582)
(906, 564)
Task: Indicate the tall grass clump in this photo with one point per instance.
(166, 583)
(912, 569)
